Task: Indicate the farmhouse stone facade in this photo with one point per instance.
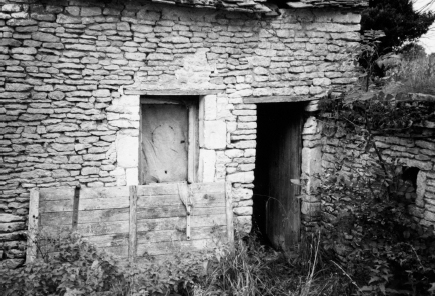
(72, 74)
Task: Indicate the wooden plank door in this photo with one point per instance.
(283, 208)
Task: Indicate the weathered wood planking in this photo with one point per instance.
(56, 194)
(169, 211)
(179, 223)
(85, 204)
(89, 229)
(164, 248)
(128, 221)
(180, 234)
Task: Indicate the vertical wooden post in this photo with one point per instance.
(193, 144)
(229, 211)
(75, 214)
(31, 251)
(132, 238)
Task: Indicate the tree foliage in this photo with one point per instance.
(399, 21)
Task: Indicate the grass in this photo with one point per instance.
(254, 269)
(413, 76)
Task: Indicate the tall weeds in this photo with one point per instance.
(414, 76)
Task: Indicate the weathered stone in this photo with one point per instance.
(7, 218)
(45, 37)
(62, 127)
(90, 170)
(90, 11)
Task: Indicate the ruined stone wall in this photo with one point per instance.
(413, 148)
(71, 75)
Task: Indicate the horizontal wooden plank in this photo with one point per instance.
(172, 92)
(110, 240)
(216, 232)
(104, 203)
(104, 192)
(55, 218)
(90, 229)
(84, 204)
(198, 199)
(48, 194)
(57, 206)
(170, 211)
(276, 99)
(117, 251)
(180, 223)
(103, 215)
(54, 231)
(164, 248)
(172, 188)
(85, 216)
(218, 187)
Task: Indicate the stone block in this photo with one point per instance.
(208, 108)
(207, 165)
(243, 211)
(214, 135)
(241, 177)
(132, 176)
(311, 160)
(127, 150)
(7, 218)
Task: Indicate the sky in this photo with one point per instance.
(427, 40)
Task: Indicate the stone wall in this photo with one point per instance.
(72, 72)
(412, 148)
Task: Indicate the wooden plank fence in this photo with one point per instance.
(136, 221)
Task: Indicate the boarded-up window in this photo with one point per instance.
(169, 140)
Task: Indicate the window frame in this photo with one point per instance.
(192, 104)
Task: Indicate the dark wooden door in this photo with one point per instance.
(282, 127)
(164, 147)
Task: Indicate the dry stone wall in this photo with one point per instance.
(69, 70)
(412, 148)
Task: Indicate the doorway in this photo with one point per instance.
(278, 160)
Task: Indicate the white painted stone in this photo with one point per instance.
(127, 149)
(132, 176)
(214, 135)
(207, 165)
(241, 177)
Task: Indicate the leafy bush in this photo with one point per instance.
(72, 266)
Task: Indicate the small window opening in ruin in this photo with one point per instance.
(169, 139)
(410, 174)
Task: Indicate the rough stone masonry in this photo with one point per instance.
(71, 75)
